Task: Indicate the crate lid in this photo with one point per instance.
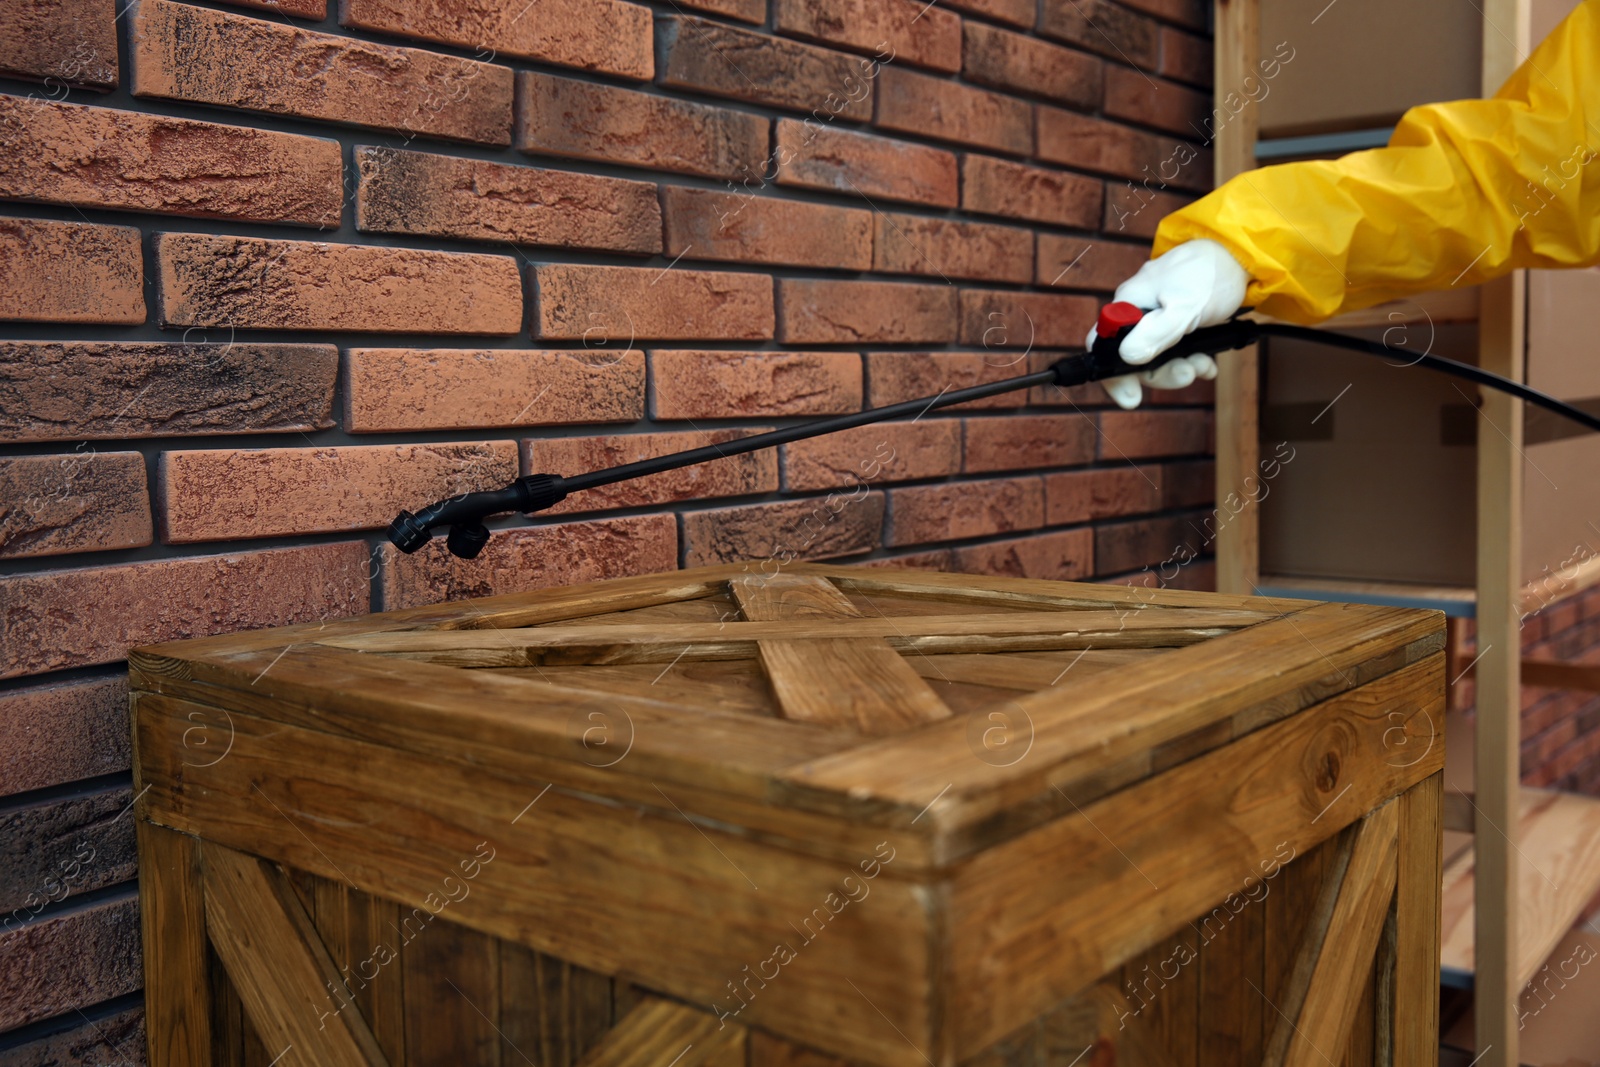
(817, 704)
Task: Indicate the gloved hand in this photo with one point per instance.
(1197, 283)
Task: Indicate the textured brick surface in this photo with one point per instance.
(249, 282)
(751, 472)
(1027, 442)
(1057, 556)
(895, 377)
(1022, 64)
(583, 120)
(600, 35)
(997, 318)
(1139, 98)
(914, 244)
(901, 31)
(315, 10)
(842, 523)
(115, 1039)
(1094, 144)
(190, 53)
(72, 960)
(1104, 27)
(722, 60)
(60, 847)
(702, 224)
(79, 502)
(1141, 433)
(1135, 210)
(813, 156)
(608, 305)
(220, 494)
(1107, 492)
(992, 186)
(70, 272)
(1016, 12)
(75, 618)
(1081, 263)
(950, 111)
(1158, 543)
(453, 389)
(1186, 57)
(927, 513)
(68, 41)
(1188, 485)
(84, 390)
(446, 196)
(890, 452)
(532, 558)
(104, 158)
(743, 10)
(63, 732)
(837, 312)
(727, 385)
(1188, 12)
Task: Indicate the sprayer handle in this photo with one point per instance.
(1105, 360)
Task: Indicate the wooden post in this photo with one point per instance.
(177, 991)
(1415, 1015)
(1238, 46)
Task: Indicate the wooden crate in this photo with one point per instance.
(828, 816)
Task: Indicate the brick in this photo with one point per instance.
(722, 60)
(1200, 576)
(840, 312)
(743, 10)
(1135, 210)
(899, 31)
(737, 475)
(219, 494)
(823, 527)
(646, 302)
(922, 514)
(1156, 543)
(606, 36)
(1015, 12)
(888, 452)
(1027, 442)
(82, 502)
(54, 734)
(1093, 144)
(945, 110)
(1141, 433)
(1018, 63)
(474, 199)
(536, 557)
(1189, 485)
(936, 560)
(316, 10)
(70, 960)
(86, 390)
(813, 156)
(396, 389)
(997, 318)
(703, 224)
(76, 618)
(118, 1038)
(107, 158)
(895, 377)
(607, 124)
(916, 244)
(1167, 105)
(1059, 556)
(181, 52)
(1103, 493)
(991, 186)
(70, 272)
(1189, 12)
(1104, 28)
(1081, 263)
(253, 283)
(70, 41)
(732, 385)
(62, 847)
(1186, 57)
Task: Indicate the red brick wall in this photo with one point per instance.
(275, 269)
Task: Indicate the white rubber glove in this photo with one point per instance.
(1197, 283)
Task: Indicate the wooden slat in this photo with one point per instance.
(660, 1032)
(1025, 671)
(1343, 956)
(177, 1001)
(859, 684)
(372, 935)
(1085, 893)
(1417, 901)
(1231, 972)
(452, 989)
(1290, 993)
(998, 589)
(270, 948)
(769, 1050)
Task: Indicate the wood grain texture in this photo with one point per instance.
(858, 684)
(173, 925)
(1415, 1036)
(661, 1032)
(278, 964)
(452, 989)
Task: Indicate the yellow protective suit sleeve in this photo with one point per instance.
(1465, 192)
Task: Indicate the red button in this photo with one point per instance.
(1116, 317)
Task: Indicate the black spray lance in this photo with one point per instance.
(535, 492)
